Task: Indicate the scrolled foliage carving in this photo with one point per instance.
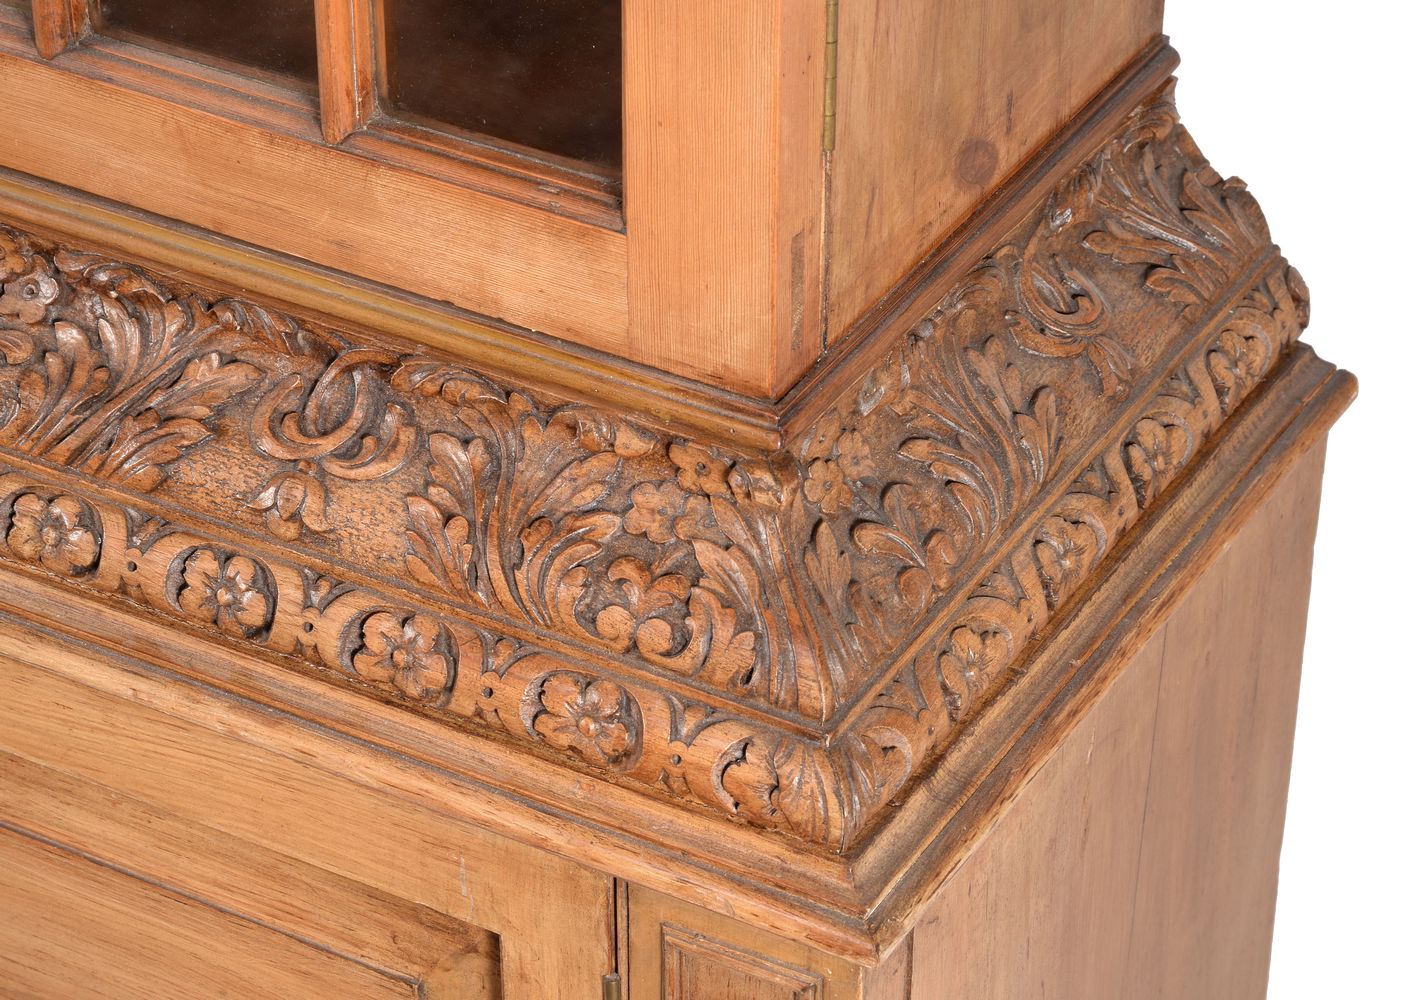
(624, 598)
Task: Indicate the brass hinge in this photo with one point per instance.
(830, 81)
(613, 987)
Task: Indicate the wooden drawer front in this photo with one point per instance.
(148, 854)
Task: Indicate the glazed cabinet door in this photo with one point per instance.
(159, 841)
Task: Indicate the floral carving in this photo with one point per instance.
(971, 661)
(1066, 550)
(59, 534)
(105, 370)
(1154, 452)
(414, 654)
(656, 507)
(974, 442)
(700, 470)
(961, 490)
(595, 719)
(229, 592)
(600, 530)
(1236, 365)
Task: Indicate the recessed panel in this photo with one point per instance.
(276, 37)
(72, 928)
(545, 74)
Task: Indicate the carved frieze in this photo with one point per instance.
(614, 595)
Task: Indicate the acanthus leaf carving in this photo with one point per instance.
(963, 491)
(110, 373)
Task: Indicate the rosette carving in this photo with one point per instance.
(623, 597)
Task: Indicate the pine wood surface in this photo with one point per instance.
(532, 585)
(90, 927)
(277, 186)
(938, 104)
(266, 836)
(1139, 860)
(723, 261)
(712, 412)
(724, 188)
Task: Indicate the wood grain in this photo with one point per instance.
(331, 912)
(273, 809)
(1142, 858)
(86, 926)
(680, 952)
(59, 24)
(937, 104)
(1215, 807)
(723, 193)
(345, 47)
(290, 193)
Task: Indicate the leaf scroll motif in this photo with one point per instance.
(339, 425)
(1162, 207)
(600, 530)
(974, 443)
(107, 371)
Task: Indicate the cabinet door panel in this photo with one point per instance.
(75, 928)
(216, 815)
(681, 952)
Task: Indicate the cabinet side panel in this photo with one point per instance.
(1210, 858)
(1142, 859)
(939, 102)
(891, 979)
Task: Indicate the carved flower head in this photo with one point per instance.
(1154, 453)
(827, 487)
(698, 470)
(656, 507)
(595, 719)
(972, 660)
(59, 534)
(1235, 365)
(854, 455)
(1064, 554)
(413, 654)
(291, 500)
(228, 593)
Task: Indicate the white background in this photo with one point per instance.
(1300, 98)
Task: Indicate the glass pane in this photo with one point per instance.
(276, 36)
(541, 73)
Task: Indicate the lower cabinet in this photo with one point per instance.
(159, 839)
(223, 853)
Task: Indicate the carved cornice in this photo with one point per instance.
(785, 637)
